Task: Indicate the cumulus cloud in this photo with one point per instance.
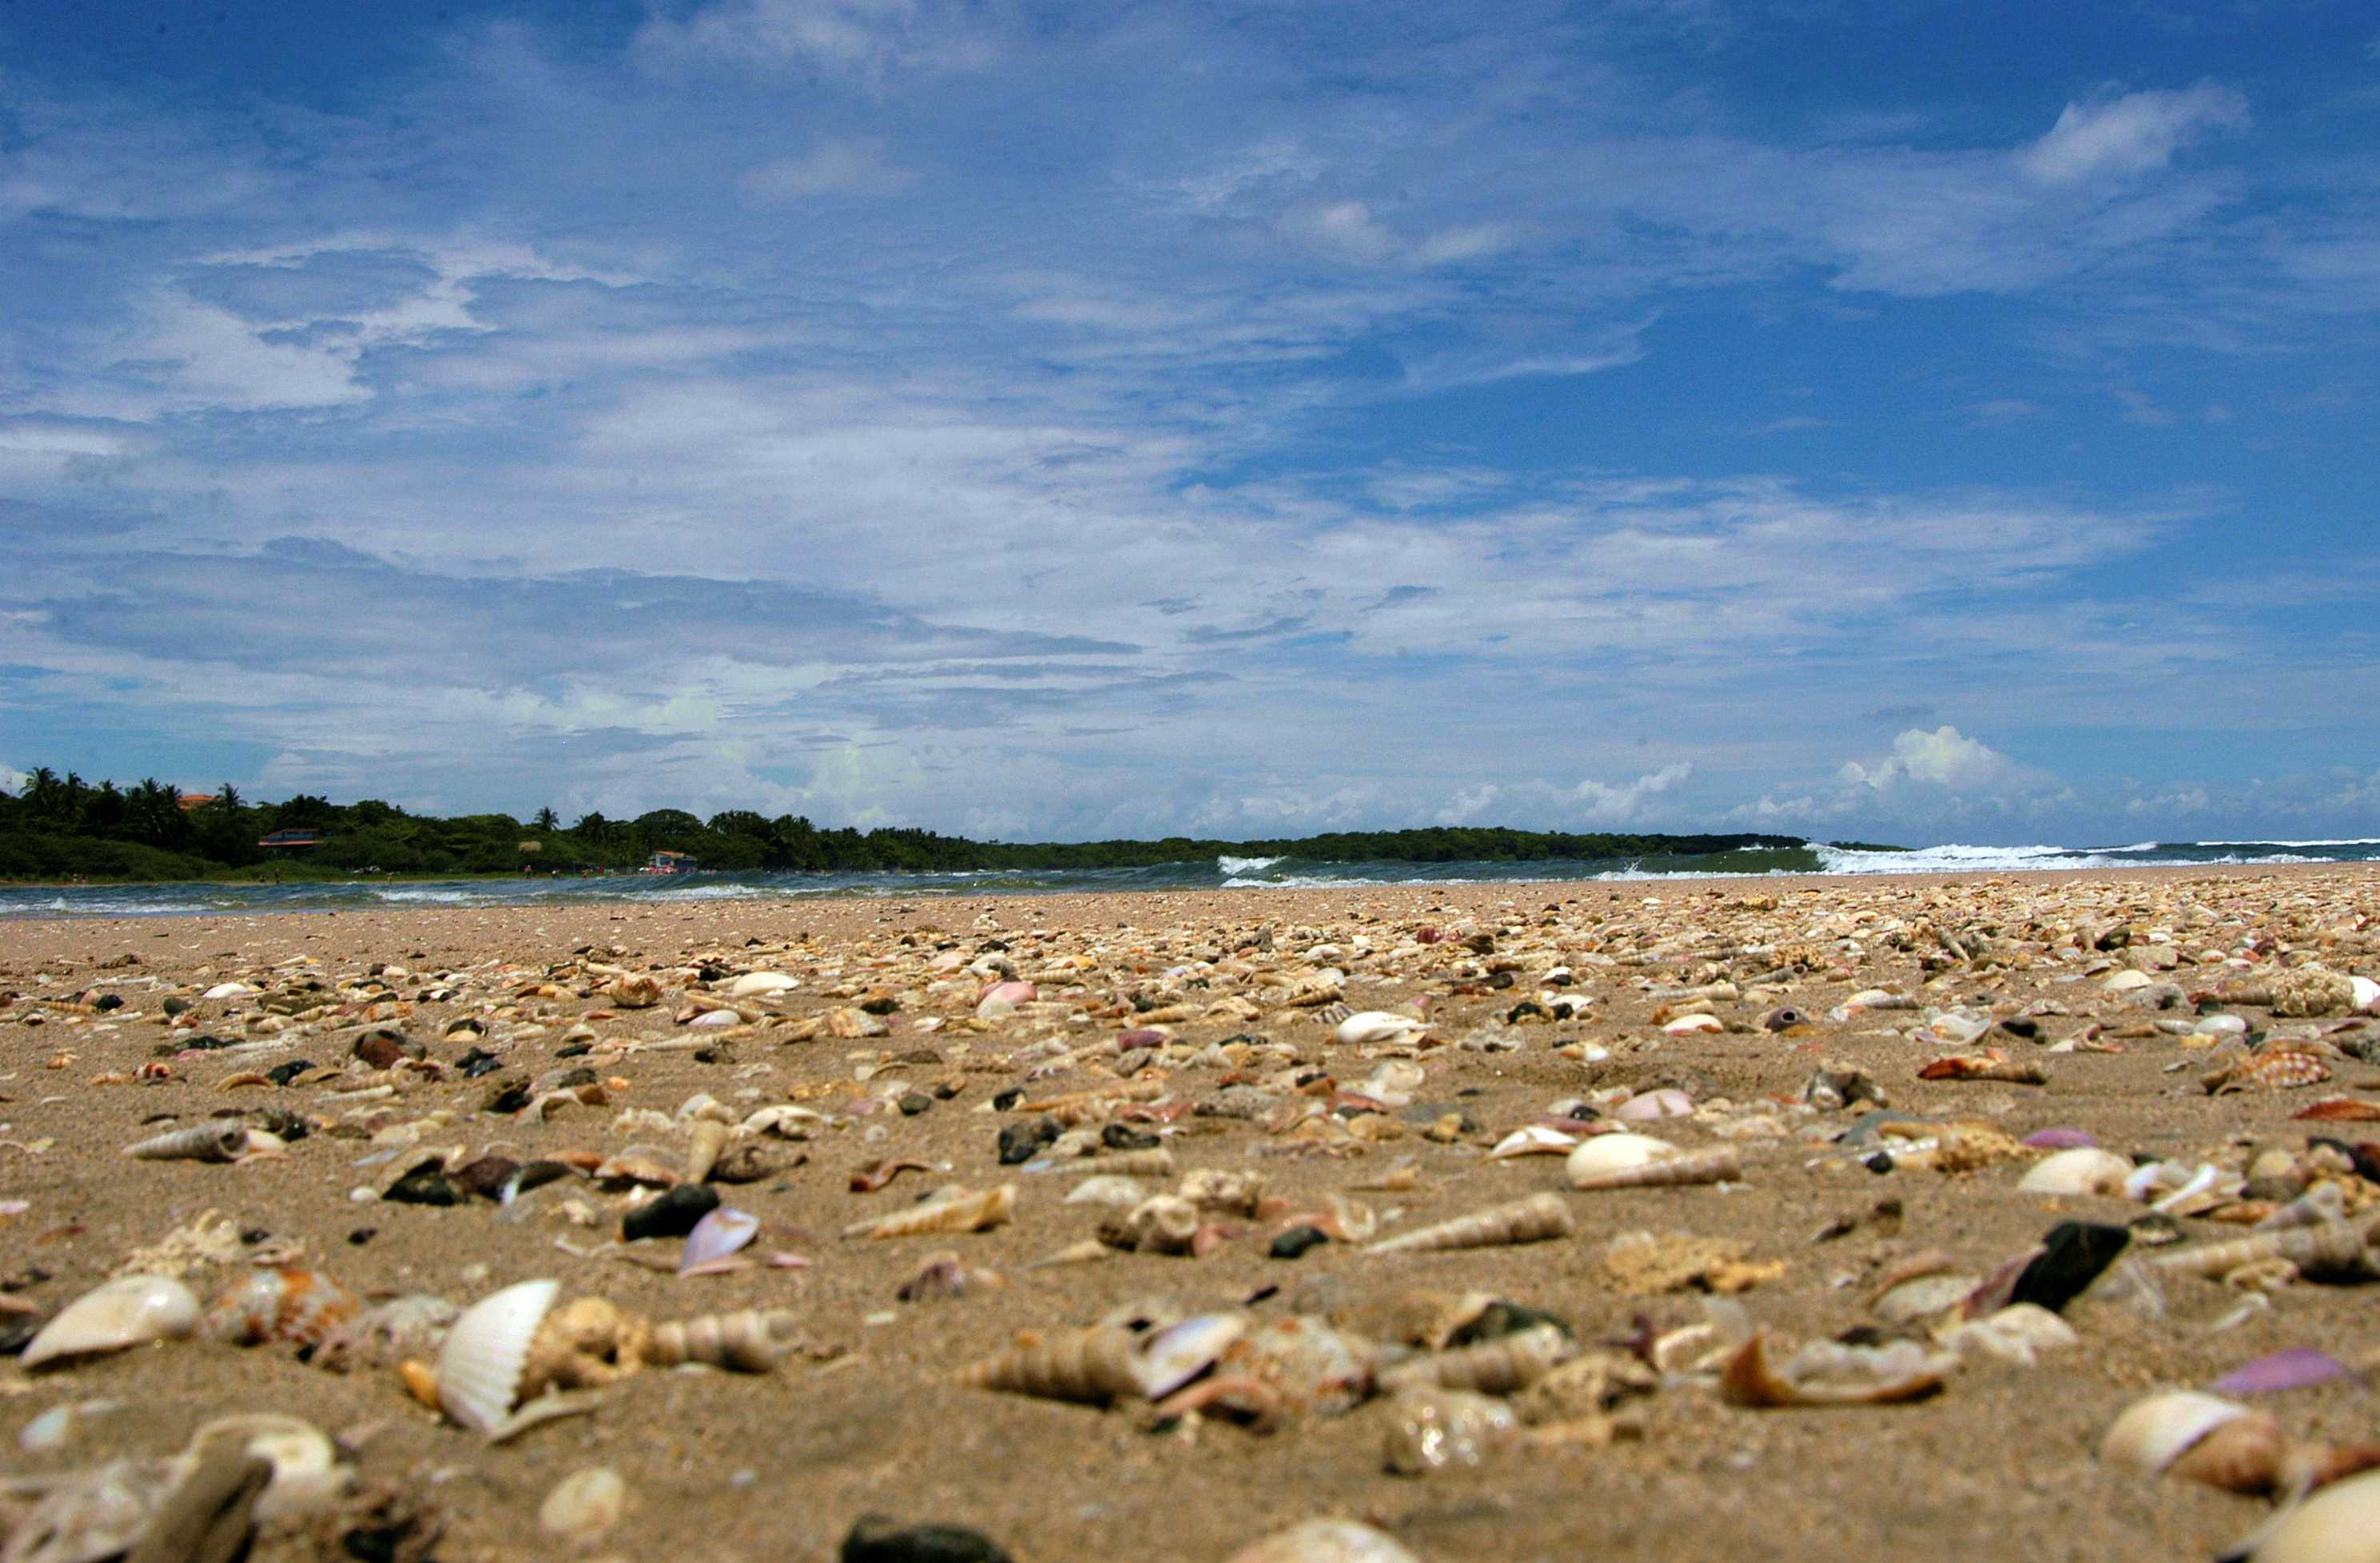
(2131, 134)
(1944, 757)
(1602, 804)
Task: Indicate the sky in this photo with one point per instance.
(1044, 421)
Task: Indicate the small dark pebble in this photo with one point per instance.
(1500, 1319)
(1880, 1162)
(362, 1235)
(1525, 1010)
(426, 1184)
(707, 971)
(204, 1042)
(173, 1007)
(574, 1049)
(2021, 1026)
(486, 1176)
(509, 1099)
(884, 1005)
(281, 1121)
(477, 1062)
(254, 1235)
(105, 1002)
(914, 1103)
(710, 1054)
(537, 1174)
(1293, 1243)
(1480, 944)
(1022, 1142)
(1501, 980)
(383, 1048)
(2071, 1257)
(1003, 1100)
(673, 1213)
(875, 1539)
(1124, 1137)
(281, 1074)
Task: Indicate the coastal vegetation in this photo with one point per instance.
(60, 827)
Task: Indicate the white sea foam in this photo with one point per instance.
(1232, 868)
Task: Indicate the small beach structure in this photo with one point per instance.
(669, 863)
(293, 841)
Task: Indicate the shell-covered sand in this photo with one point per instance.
(870, 1414)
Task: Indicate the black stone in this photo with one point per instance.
(537, 1174)
(477, 1062)
(510, 1098)
(914, 1103)
(486, 1176)
(426, 1184)
(173, 1007)
(875, 1539)
(281, 1074)
(673, 1213)
(1124, 1137)
(1003, 1100)
(1023, 1142)
(574, 1049)
(1293, 1243)
(105, 1002)
(1525, 1010)
(204, 1042)
(2071, 1257)
(281, 1121)
(363, 1235)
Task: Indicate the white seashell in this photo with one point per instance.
(2085, 1169)
(2156, 1431)
(1533, 1139)
(1368, 1027)
(228, 990)
(1326, 1541)
(2367, 992)
(2125, 981)
(2338, 1524)
(220, 1141)
(480, 1368)
(584, 1504)
(128, 1310)
(307, 1476)
(1106, 1189)
(1686, 1024)
(2017, 1335)
(1610, 1153)
(716, 1020)
(1173, 1356)
(1666, 1102)
(760, 985)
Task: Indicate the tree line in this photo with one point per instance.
(62, 827)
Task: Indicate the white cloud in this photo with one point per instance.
(1601, 804)
(1944, 757)
(13, 780)
(2132, 134)
(1345, 230)
(855, 166)
(863, 38)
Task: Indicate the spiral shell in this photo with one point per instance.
(1094, 1366)
(2199, 1438)
(1492, 1367)
(2331, 1248)
(223, 1140)
(711, 1138)
(1716, 1164)
(2272, 1070)
(301, 1306)
(748, 1340)
(1158, 1163)
(1529, 1220)
(957, 1211)
(585, 1344)
(1159, 1224)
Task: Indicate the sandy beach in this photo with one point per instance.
(1521, 1003)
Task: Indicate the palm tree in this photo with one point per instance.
(546, 819)
(227, 795)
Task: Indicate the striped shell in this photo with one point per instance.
(1716, 1164)
(221, 1141)
(1529, 1220)
(748, 1340)
(2268, 1071)
(959, 1212)
(1092, 1365)
(2201, 1437)
(2332, 1248)
(1491, 1367)
(304, 1307)
(480, 1368)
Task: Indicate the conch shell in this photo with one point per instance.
(297, 1305)
(2330, 1248)
(224, 1140)
(1529, 1220)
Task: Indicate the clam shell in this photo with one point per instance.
(480, 1364)
(2085, 1169)
(128, 1310)
(307, 1473)
(2336, 1525)
(1533, 1139)
(2157, 1430)
(1610, 1153)
(1171, 1357)
(1326, 1541)
(1368, 1027)
(760, 985)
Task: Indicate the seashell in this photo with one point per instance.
(1169, 1358)
(128, 1310)
(953, 1210)
(1599, 1153)
(1686, 1024)
(2336, 1525)
(584, 1504)
(2016, 1335)
(1892, 1375)
(1992, 1064)
(748, 1340)
(2340, 1109)
(1365, 1027)
(760, 985)
(2271, 1070)
(721, 1232)
(1431, 1429)
(1492, 1367)
(481, 1365)
(2199, 1437)
(388, 1332)
(945, 1277)
(632, 992)
(1646, 1106)
(1530, 1220)
(1121, 1193)
(1217, 1188)
(296, 1305)
(1329, 1540)
(307, 1474)
(2082, 1171)
(1714, 1164)
(2294, 1368)
(1159, 1224)
(2334, 1248)
(710, 1140)
(2061, 1139)
(1158, 1163)
(224, 1140)
(1533, 1139)
(1094, 1366)
(586, 1343)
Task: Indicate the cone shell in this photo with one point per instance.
(1094, 1366)
(711, 1138)
(300, 1307)
(748, 1340)
(221, 1141)
(1529, 1220)
(2201, 1437)
(1716, 1164)
(480, 1368)
(2086, 1169)
(128, 1310)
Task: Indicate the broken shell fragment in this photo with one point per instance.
(2082, 1171)
(1366, 1027)
(127, 1311)
(1333, 1540)
(1827, 1374)
(1649, 1164)
(2336, 1525)
(301, 1306)
(2199, 1438)
(1529, 1220)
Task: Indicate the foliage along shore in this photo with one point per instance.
(65, 829)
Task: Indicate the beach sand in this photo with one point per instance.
(870, 1416)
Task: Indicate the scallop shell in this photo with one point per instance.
(1714, 1164)
(2202, 1438)
(297, 1305)
(128, 1310)
(1529, 1220)
(748, 1340)
(957, 1211)
(2084, 1170)
(1094, 1366)
(480, 1368)
(1326, 1541)
(222, 1141)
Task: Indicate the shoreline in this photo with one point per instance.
(869, 1415)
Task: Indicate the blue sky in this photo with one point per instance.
(1881, 420)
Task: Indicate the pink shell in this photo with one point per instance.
(720, 1234)
(2292, 1369)
(2061, 1139)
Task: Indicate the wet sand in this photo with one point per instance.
(868, 1417)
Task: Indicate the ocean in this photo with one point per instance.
(199, 899)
